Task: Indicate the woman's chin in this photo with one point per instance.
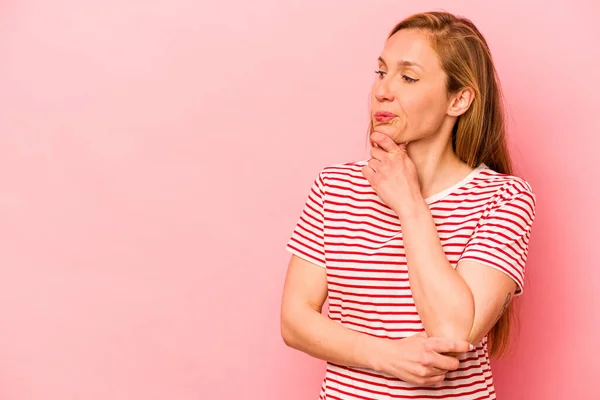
(388, 131)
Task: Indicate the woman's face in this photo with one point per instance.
(409, 99)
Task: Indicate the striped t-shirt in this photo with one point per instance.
(346, 228)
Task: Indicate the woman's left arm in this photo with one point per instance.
(466, 302)
(461, 303)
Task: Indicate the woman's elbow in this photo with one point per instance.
(458, 330)
(457, 326)
(286, 334)
(288, 326)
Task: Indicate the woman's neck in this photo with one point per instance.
(438, 167)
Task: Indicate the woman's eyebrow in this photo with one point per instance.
(405, 63)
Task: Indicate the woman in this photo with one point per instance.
(421, 248)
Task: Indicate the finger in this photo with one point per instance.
(378, 153)
(385, 142)
(424, 372)
(419, 380)
(433, 370)
(443, 362)
(373, 164)
(434, 380)
(368, 173)
(454, 355)
(440, 345)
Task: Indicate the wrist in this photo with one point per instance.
(371, 352)
(413, 210)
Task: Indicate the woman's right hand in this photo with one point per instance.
(419, 359)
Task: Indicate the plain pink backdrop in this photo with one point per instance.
(155, 156)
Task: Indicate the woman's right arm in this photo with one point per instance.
(416, 359)
(305, 328)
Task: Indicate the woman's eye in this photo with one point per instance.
(406, 78)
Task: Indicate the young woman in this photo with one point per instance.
(421, 248)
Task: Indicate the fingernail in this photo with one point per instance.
(471, 347)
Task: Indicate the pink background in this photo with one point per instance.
(155, 156)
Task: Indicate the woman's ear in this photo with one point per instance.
(461, 101)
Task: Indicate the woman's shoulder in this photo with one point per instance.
(506, 190)
(350, 171)
(504, 182)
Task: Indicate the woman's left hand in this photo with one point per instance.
(393, 175)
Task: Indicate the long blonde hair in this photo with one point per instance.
(479, 135)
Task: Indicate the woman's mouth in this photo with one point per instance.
(384, 116)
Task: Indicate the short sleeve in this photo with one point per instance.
(308, 239)
(501, 239)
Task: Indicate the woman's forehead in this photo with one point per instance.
(410, 48)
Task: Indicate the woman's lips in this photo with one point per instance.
(384, 116)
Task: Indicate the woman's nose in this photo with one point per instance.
(384, 91)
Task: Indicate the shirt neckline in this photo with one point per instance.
(441, 194)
